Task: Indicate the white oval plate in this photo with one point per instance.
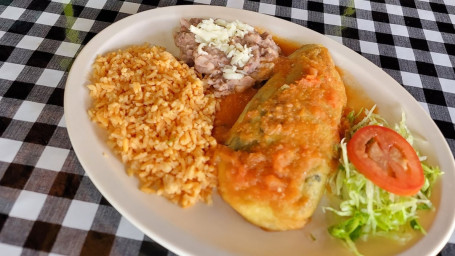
(217, 229)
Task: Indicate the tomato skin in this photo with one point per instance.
(387, 159)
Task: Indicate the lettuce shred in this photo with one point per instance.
(364, 208)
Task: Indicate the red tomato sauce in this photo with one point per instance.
(231, 106)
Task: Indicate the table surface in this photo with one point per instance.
(49, 205)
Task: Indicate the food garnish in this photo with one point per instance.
(220, 34)
(365, 209)
(387, 159)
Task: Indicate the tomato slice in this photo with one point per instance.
(387, 159)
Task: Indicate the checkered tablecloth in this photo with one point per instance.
(49, 205)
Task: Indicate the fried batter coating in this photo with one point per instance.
(281, 149)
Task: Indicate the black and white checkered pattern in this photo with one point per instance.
(49, 205)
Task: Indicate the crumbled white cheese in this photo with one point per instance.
(219, 34)
(200, 49)
(231, 72)
(241, 55)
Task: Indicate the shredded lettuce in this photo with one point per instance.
(364, 208)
